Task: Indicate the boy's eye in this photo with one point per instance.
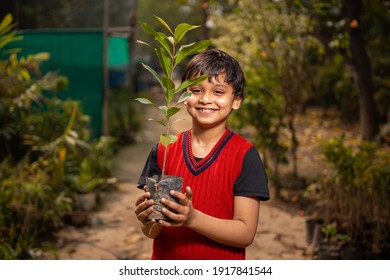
(219, 92)
(195, 90)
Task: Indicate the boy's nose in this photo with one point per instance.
(205, 98)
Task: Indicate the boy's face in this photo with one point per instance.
(211, 102)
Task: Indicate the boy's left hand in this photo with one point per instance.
(184, 211)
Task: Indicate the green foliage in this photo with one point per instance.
(46, 157)
(263, 109)
(124, 117)
(173, 13)
(171, 54)
(8, 35)
(357, 191)
(169, 58)
(332, 24)
(273, 42)
(334, 86)
(30, 207)
(308, 45)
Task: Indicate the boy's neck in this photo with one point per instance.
(206, 134)
(204, 140)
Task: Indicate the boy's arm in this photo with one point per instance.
(239, 231)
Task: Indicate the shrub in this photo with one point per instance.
(357, 191)
(46, 155)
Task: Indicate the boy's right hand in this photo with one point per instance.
(143, 208)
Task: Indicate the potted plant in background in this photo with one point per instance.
(170, 54)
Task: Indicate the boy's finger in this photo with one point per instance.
(171, 215)
(189, 193)
(169, 203)
(142, 198)
(178, 195)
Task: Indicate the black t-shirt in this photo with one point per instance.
(252, 181)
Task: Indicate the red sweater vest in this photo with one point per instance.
(211, 181)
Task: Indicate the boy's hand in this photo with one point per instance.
(143, 208)
(184, 211)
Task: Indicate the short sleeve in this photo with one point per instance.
(253, 180)
(151, 168)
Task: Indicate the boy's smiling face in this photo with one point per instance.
(211, 102)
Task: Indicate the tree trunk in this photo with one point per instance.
(361, 63)
(205, 14)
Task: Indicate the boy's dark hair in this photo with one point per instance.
(214, 62)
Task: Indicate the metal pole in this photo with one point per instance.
(106, 94)
(131, 44)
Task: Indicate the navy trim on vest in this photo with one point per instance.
(198, 167)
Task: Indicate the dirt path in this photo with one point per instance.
(114, 233)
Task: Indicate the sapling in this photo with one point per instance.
(170, 54)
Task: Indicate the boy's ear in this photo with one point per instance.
(237, 102)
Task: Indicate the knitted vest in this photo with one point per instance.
(211, 181)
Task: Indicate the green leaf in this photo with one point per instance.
(172, 138)
(166, 139)
(172, 111)
(8, 38)
(194, 48)
(6, 29)
(165, 61)
(146, 101)
(25, 74)
(160, 37)
(148, 28)
(184, 97)
(172, 40)
(164, 110)
(83, 145)
(170, 89)
(177, 120)
(73, 133)
(70, 140)
(182, 29)
(6, 23)
(144, 43)
(191, 82)
(158, 121)
(154, 73)
(42, 56)
(164, 23)
(10, 51)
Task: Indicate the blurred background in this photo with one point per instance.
(317, 106)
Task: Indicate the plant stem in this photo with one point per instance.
(166, 150)
(168, 126)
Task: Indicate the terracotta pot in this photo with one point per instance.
(79, 217)
(160, 188)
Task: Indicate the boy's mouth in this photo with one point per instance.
(206, 110)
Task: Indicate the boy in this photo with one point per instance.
(218, 212)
